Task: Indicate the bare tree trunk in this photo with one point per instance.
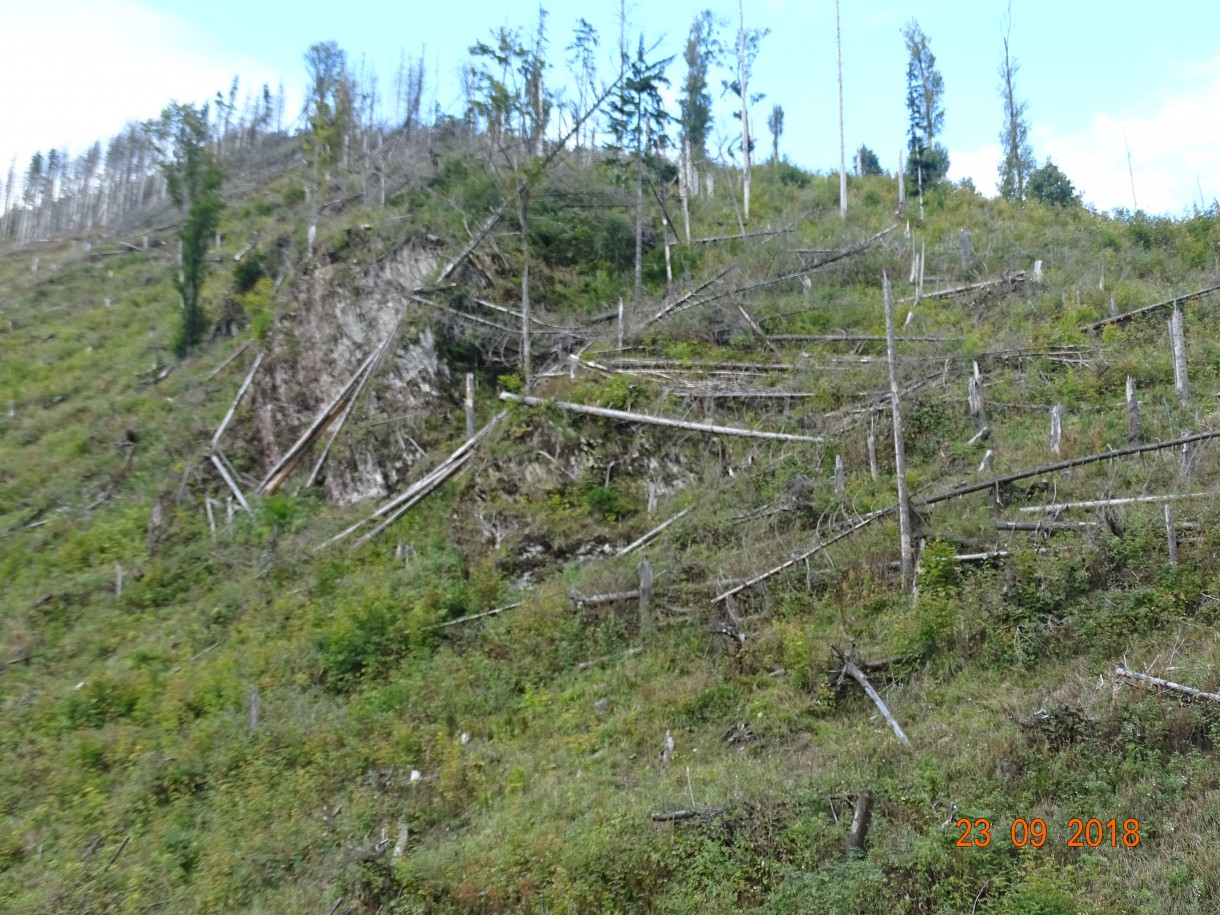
(647, 623)
(862, 819)
(684, 186)
(1171, 535)
(1177, 342)
(902, 193)
(872, 447)
(842, 146)
(639, 227)
(975, 400)
(469, 406)
(900, 465)
(1056, 428)
(745, 114)
(526, 370)
(669, 270)
(1134, 428)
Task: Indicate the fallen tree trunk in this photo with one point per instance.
(1102, 503)
(652, 533)
(337, 427)
(1168, 303)
(224, 475)
(287, 463)
(1013, 279)
(821, 545)
(853, 338)
(648, 419)
(963, 491)
(1064, 465)
(220, 368)
(1144, 679)
(420, 488)
(598, 600)
(857, 674)
(474, 616)
(742, 395)
(236, 400)
(677, 816)
(585, 665)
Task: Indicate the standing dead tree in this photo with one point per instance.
(904, 507)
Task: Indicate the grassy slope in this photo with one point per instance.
(130, 721)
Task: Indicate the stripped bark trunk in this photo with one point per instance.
(1171, 535)
(1146, 680)
(1064, 465)
(237, 400)
(858, 675)
(975, 400)
(904, 509)
(684, 186)
(1174, 302)
(1177, 344)
(422, 487)
(842, 144)
(1056, 428)
(1102, 503)
(278, 473)
(470, 405)
(656, 420)
(872, 447)
(1134, 429)
(636, 544)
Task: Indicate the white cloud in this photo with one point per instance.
(979, 165)
(79, 70)
(1174, 137)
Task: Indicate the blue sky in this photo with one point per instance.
(1095, 76)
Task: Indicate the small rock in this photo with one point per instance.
(601, 706)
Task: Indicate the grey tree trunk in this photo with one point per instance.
(684, 186)
(647, 623)
(1134, 428)
(900, 464)
(639, 227)
(1177, 342)
(745, 115)
(1171, 535)
(842, 146)
(526, 368)
(469, 406)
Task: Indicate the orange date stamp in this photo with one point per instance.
(1082, 833)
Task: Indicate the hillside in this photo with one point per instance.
(215, 710)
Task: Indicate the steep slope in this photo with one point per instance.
(247, 719)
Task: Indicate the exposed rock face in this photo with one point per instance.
(338, 321)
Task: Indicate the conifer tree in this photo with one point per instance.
(193, 181)
(702, 52)
(927, 161)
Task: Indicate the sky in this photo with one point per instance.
(1125, 98)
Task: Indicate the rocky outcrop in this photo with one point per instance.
(316, 347)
